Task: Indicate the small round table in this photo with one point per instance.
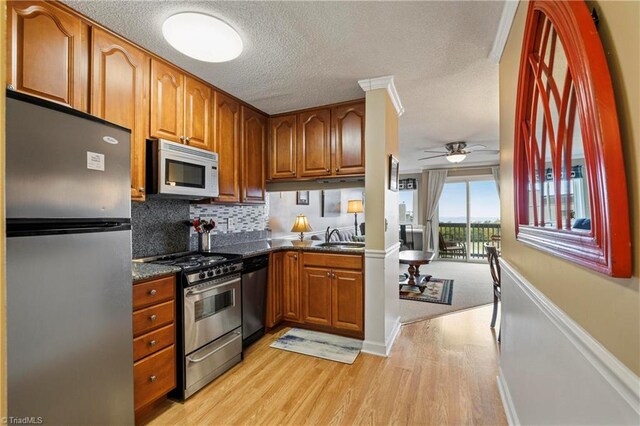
(415, 258)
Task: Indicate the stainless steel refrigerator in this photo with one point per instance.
(69, 324)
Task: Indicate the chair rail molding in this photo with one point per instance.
(387, 83)
(548, 360)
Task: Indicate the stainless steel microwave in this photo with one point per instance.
(180, 171)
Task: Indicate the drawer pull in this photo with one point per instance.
(152, 343)
(153, 317)
(328, 274)
(152, 378)
(153, 292)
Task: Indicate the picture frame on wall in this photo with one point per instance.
(331, 203)
(394, 173)
(302, 198)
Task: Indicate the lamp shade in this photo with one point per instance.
(301, 224)
(355, 206)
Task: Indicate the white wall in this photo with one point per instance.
(552, 371)
(283, 211)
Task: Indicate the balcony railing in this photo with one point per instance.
(481, 233)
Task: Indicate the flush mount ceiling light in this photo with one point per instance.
(202, 37)
(456, 157)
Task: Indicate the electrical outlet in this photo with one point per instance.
(230, 223)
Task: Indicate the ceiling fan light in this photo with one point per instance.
(456, 157)
(202, 37)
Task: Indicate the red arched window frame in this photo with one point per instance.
(607, 248)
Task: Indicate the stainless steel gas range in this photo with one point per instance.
(209, 317)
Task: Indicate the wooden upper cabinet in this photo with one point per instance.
(227, 145)
(316, 295)
(291, 288)
(282, 147)
(45, 56)
(314, 143)
(167, 104)
(347, 310)
(119, 87)
(347, 122)
(197, 114)
(254, 147)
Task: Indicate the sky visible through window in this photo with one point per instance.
(484, 202)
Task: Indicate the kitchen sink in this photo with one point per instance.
(342, 245)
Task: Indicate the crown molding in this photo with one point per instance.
(504, 26)
(387, 83)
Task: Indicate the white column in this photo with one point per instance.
(383, 107)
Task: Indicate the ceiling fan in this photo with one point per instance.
(458, 151)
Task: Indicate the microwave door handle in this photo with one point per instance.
(202, 358)
(204, 290)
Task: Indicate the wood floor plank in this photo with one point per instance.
(440, 371)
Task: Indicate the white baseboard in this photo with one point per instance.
(552, 370)
(379, 349)
(507, 403)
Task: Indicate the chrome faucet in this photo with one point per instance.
(327, 234)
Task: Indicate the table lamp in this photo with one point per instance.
(355, 206)
(301, 225)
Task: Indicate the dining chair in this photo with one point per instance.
(494, 267)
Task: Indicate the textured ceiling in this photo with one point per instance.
(303, 54)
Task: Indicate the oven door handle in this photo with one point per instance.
(204, 290)
(236, 334)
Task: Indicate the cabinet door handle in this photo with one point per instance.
(293, 172)
(153, 317)
(333, 275)
(152, 292)
(295, 256)
(337, 169)
(10, 87)
(141, 189)
(152, 343)
(328, 170)
(329, 274)
(152, 378)
(188, 139)
(181, 138)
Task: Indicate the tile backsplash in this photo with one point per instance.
(233, 218)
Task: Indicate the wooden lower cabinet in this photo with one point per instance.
(275, 313)
(291, 287)
(317, 290)
(316, 295)
(154, 376)
(347, 300)
(154, 368)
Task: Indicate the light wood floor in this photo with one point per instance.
(441, 371)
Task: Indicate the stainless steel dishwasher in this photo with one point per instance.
(254, 291)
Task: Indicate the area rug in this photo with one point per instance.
(321, 345)
(474, 287)
(439, 290)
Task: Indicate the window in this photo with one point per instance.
(408, 204)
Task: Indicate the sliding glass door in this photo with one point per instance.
(469, 216)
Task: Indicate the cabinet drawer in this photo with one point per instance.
(154, 376)
(152, 317)
(150, 292)
(153, 342)
(337, 261)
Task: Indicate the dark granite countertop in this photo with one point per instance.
(143, 271)
(255, 248)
